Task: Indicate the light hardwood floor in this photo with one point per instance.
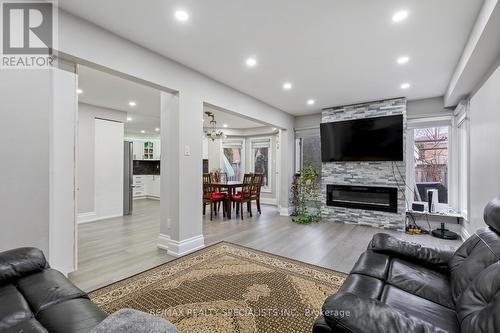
(113, 249)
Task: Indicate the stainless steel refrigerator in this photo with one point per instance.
(128, 178)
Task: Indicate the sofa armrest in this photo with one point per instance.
(386, 244)
(20, 262)
(346, 312)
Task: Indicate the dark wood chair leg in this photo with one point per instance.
(204, 208)
(241, 209)
(258, 206)
(211, 210)
(250, 208)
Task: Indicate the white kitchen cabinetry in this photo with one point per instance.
(138, 149)
(156, 149)
(146, 186)
(139, 188)
(146, 150)
(155, 186)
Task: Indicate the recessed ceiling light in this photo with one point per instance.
(143, 131)
(224, 125)
(400, 16)
(181, 15)
(79, 91)
(132, 103)
(287, 86)
(403, 60)
(129, 118)
(310, 102)
(157, 129)
(405, 86)
(251, 62)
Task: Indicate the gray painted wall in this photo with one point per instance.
(428, 107)
(484, 148)
(24, 194)
(85, 158)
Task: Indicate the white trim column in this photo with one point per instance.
(181, 230)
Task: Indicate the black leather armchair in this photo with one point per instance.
(397, 286)
(35, 298)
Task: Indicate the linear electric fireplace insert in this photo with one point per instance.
(363, 197)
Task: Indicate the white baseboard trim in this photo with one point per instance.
(268, 201)
(285, 211)
(86, 217)
(180, 248)
(93, 218)
(146, 196)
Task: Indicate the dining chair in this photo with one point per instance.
(212, 197)
(256, 187)
(244, 196)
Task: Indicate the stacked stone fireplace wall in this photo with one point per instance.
(389, 174)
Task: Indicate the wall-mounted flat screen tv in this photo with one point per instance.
(367, 139)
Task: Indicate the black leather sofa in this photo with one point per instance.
(398, 286)
(35, 298)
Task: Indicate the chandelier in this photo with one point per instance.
(212, 132)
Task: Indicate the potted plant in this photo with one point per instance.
(305, 196)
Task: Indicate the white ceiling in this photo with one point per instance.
(110, 91)
(335, 51)
(231, 120)
(113, 92)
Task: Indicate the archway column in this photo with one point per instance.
(181, 229)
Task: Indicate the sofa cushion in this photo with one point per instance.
(478, 252)
(46, 288)
(428, 311)
(19, 262)
(27, 326)
(13, 307)
(421, 281)
(76, 316)
(479, 306)
(372, 264)
(362, 286)
(394, 247)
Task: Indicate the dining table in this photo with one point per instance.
(231, 187)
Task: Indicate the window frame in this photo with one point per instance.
(461, 128)
(234, 143)
(419, 123)
(270, 163)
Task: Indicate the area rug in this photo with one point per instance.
(227, 288)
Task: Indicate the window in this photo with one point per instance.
(431, 161)
(308, 153)
(232, 159)
(462, 130)
(261, 160)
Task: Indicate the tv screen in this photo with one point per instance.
(368, 139)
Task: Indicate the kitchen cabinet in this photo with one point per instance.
(156, 149)
(155, 186)
(137, 146)
(146, 150)
(146, 186)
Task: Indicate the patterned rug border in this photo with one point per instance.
(211, 247)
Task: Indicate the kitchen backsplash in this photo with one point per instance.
(146, 167)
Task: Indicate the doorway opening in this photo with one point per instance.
(235, 146)
(118, 178)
